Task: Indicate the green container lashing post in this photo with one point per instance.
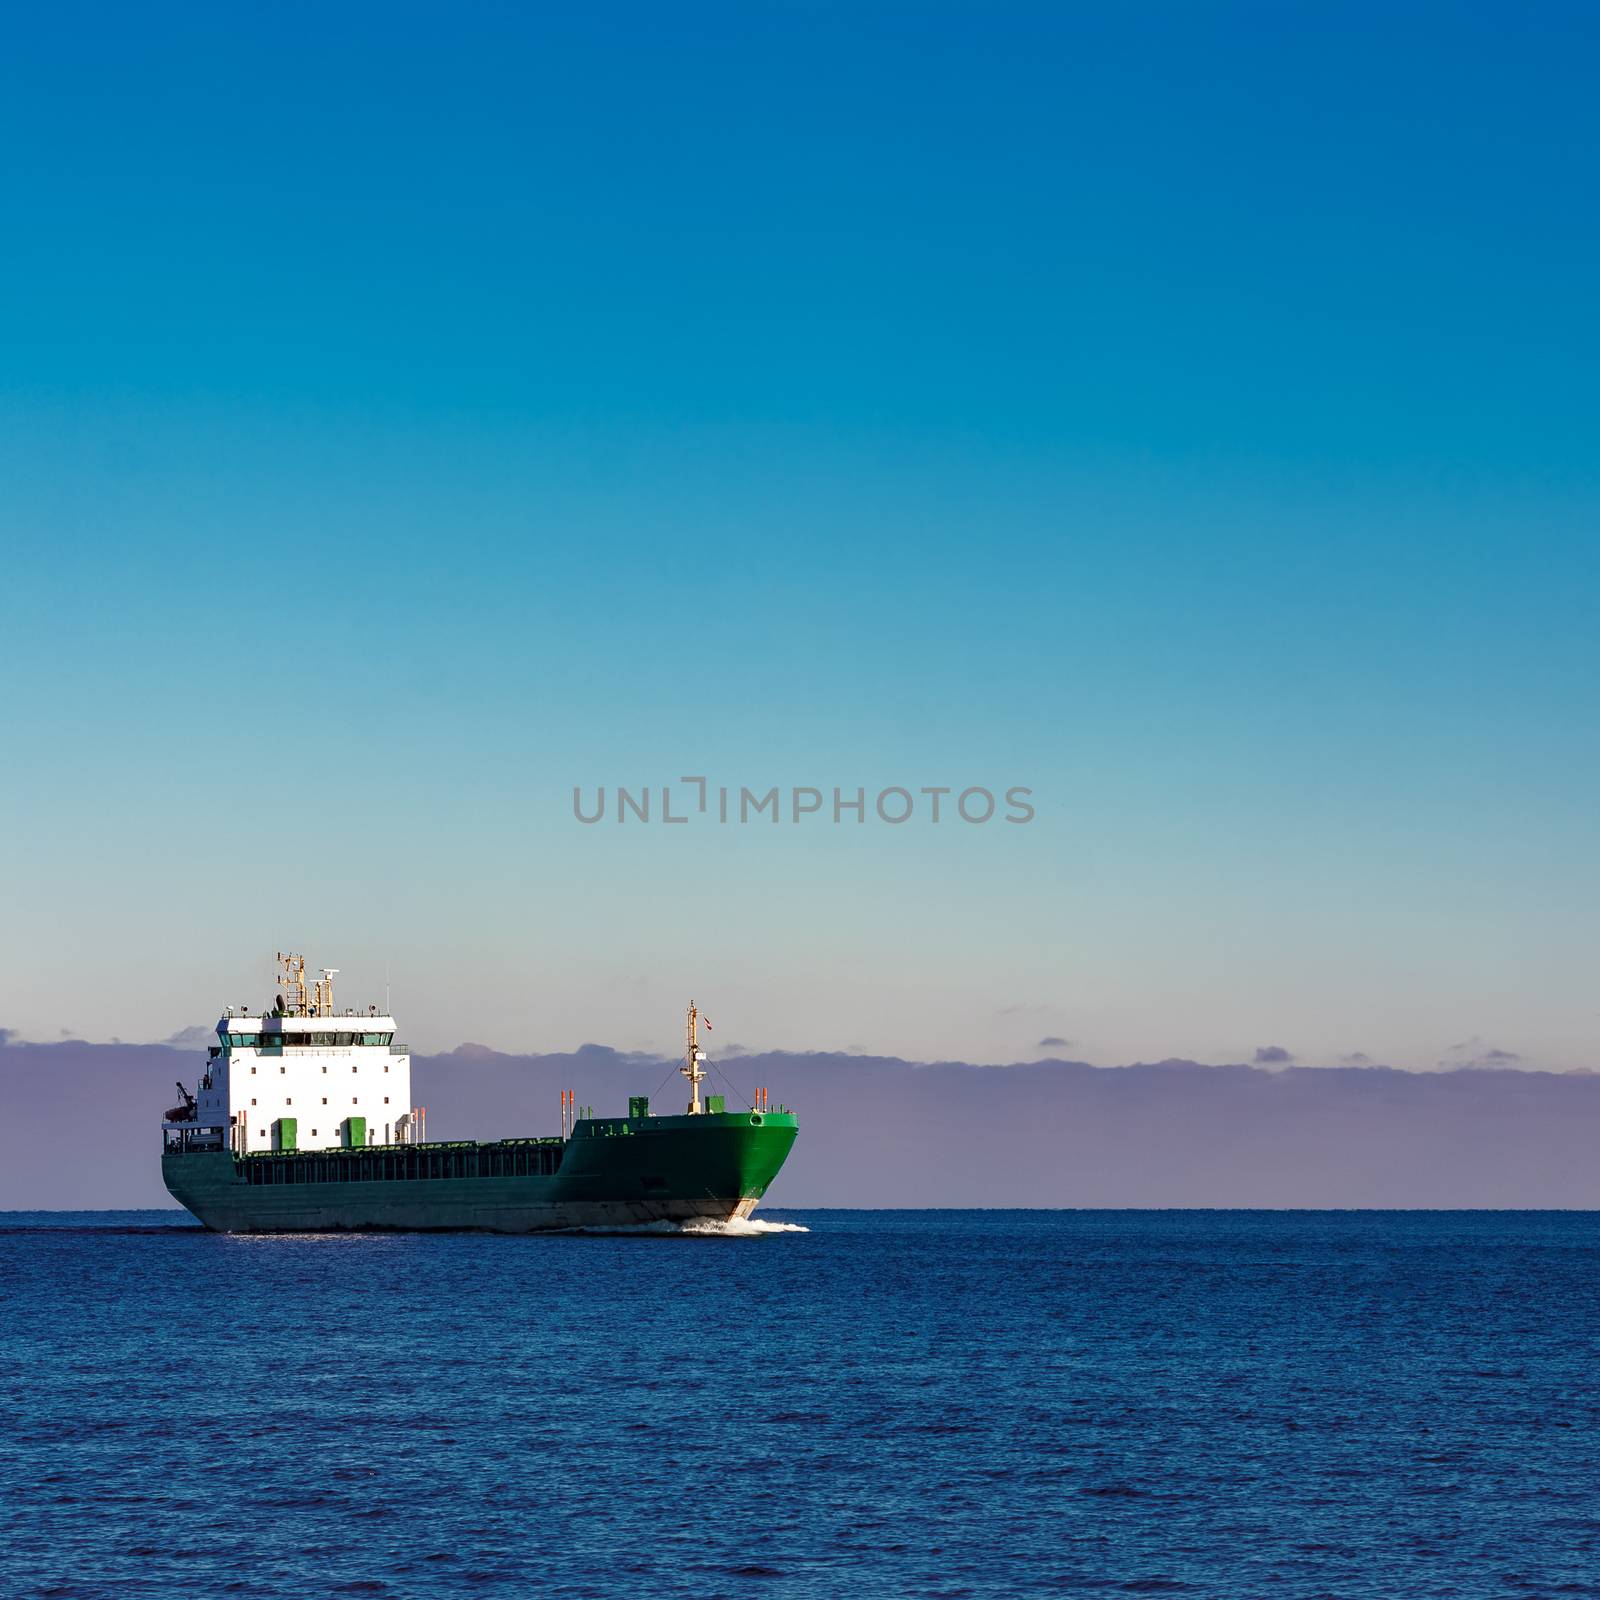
(355, 1130)
(638, 1106)
(288, 1133)
(716, 1104)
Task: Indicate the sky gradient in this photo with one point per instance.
(410, 413)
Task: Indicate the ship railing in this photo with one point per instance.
(425, 1144)
(254, 1011)
(182, 1139)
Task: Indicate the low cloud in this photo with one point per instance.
(1051, 1042)
(1356, 1058)
(1475, 1054)
(1486, 1061)
(1273, 1055)
(195, 1037)
(6, 1036)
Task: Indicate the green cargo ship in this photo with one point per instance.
(276, 1140)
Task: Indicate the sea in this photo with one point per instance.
(834, 1403)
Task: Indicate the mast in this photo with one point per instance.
(292, 986)
(691, 1068)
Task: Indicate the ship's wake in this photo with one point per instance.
(739, 1227)
(695, 1228)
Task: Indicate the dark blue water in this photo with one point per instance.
(891, 1404)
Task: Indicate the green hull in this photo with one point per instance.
(611, 1173)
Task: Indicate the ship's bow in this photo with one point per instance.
(716, 1165)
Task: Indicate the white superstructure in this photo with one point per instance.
(303, 1076)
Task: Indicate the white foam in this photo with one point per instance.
(741, 1227)
(696, 1228)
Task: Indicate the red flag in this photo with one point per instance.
(707, 1021)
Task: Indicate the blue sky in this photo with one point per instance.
(408, 413)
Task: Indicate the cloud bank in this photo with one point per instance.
(81, 1129)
